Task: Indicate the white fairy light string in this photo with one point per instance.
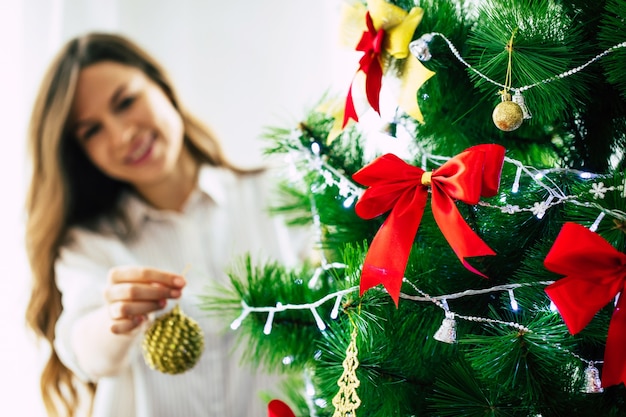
(279, 307)
(446, 333)
(555, 195)
(246, 309)
(468, 293)
(332, 177)
(440, 301)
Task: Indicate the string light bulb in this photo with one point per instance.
(514, 305)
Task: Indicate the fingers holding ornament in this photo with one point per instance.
(134, 292)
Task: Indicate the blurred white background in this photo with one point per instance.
(239, 65)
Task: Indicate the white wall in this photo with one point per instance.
(239, 65)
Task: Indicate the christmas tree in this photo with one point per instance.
(476, 270)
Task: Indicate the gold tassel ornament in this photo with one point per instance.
(347, 400)
(174, 343)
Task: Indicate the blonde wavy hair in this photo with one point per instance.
(66, 189)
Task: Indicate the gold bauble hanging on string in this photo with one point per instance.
(507, 115)
(174, 343)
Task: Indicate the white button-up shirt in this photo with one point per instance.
(224, 218)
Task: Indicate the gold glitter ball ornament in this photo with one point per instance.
(174, 343)
(508, 115)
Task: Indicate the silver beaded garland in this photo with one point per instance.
(419, 48)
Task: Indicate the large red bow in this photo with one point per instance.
(277, 408)
(371, 44)
(402, 188)
(595, 272)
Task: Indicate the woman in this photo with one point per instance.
(127, 190)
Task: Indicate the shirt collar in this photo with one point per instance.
(212, 181)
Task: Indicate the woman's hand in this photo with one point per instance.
(102, 338)
(134, 292)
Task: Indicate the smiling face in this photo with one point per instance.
(126, 124)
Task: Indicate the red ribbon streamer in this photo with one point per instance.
(397, 186)
(371, 44)
(277, 408)
(595, 272)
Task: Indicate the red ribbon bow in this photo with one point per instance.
(371, 44)
(595, 272)
(277, 408)
(402, 188)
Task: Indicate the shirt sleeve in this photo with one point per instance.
(81, 274)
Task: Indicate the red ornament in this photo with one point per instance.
(277, 408)
(402, 188)
(371, 44)
(595, 272)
